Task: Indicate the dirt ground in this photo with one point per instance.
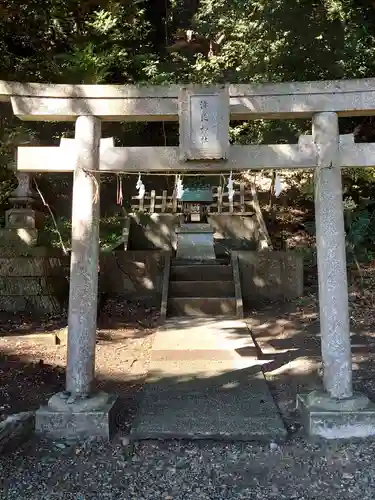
(32, 366)
(288, 342)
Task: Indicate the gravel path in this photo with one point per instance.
(187, 471)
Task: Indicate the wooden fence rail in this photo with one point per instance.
(152, 203)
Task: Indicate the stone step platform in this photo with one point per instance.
(205, 382)
(202, 306)
(218, 261)
(201, 289)
(201, 272)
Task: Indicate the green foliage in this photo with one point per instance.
(62, 229)
(286, 40)
(123, 41)
(360, 230)
(110, 230)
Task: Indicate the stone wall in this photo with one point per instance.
(39, 284)
(234, 232)
(153, 231)
(24, 242)
(158, 232)
(270, 275)
(36, 285)
(134, 274)
(264, 275)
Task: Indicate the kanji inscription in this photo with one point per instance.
(204, 124)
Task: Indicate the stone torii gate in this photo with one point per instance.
(204, 114)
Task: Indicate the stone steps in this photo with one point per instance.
(202, 306)
(201, 288)
(200, 272)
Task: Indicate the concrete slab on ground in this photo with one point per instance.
(205, 381)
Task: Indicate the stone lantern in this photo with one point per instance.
(23, 220)
(23, 213)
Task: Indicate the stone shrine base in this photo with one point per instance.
(336, 419)
(94, 417)
(195, 242)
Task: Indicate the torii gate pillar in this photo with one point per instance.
(331, 252)
(84, 259)
(77, 412)
(335, 413)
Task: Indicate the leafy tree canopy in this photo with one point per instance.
(162, 41)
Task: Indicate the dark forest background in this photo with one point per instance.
(177, 41)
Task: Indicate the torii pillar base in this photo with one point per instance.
(94, 417)
(329, 418)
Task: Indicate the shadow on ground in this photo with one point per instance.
(287, 345)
